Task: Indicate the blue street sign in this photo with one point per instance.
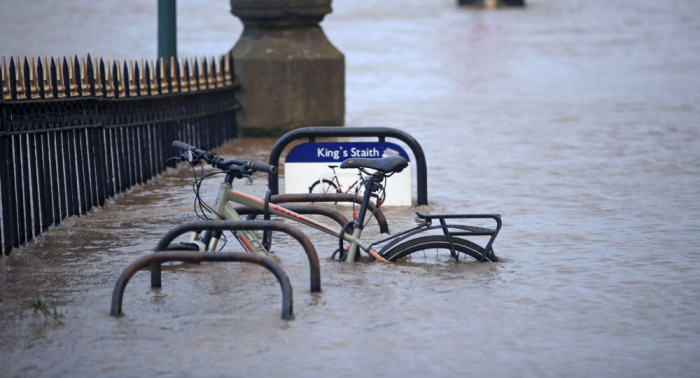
(338, 152)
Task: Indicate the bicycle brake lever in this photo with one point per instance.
(250, 179)
(175, 158)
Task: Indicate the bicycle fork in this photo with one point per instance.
(222, 210)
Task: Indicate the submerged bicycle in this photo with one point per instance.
(394, 247)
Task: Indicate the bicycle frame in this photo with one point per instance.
(223, 207)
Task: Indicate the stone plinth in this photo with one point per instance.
(290, 74)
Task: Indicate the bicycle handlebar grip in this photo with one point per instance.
(263, 167)
(181, 145)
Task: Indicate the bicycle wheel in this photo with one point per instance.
(437, 245)
(324, 186)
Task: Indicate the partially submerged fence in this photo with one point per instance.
(74, 133)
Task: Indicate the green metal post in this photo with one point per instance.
(167, 32)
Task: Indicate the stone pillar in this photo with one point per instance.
(290, 74)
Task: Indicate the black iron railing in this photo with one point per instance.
(73, 134)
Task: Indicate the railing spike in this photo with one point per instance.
(125, 79)
(115, 77)
(119, 85)
(71, 78)
(198, 85)
(184, 76)
(19, 80)
(60, 88)
(153, 87)
(98, 68)
(54, 78)
(5, 81)
(228, 77)
(156, 70)
(163, 79)
(13, 80)
(211, 79)
(109, 80)
(205, 72)
(26, 76)
(219, 74)
(48, 88)
(174, 75)
(147, 78)
(78, 77)
(39, 73)
(85, 77)
(136, 71)
(143, 85)
(190, 75)
(33, 80)
(131, 82)
(91, 74)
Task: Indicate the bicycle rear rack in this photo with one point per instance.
(463, 231)
(197, 257)
(466, 230)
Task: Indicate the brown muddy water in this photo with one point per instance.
(577, 121)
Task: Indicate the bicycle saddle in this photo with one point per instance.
(384, 165)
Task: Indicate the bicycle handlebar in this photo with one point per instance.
(181, 145)
(263, 167)
(221, 163)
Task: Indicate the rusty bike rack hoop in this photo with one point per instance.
(314, 267)
(197, 257)
(373, 131)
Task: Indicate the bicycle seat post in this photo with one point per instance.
(371, 186)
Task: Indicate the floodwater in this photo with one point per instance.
(577, 121)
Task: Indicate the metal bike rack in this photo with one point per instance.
(197, 257)
(333, 197)
(325, 132)
(314, 267)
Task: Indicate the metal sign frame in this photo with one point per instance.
(372, 131)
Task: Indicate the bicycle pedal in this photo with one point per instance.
(201, 247)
